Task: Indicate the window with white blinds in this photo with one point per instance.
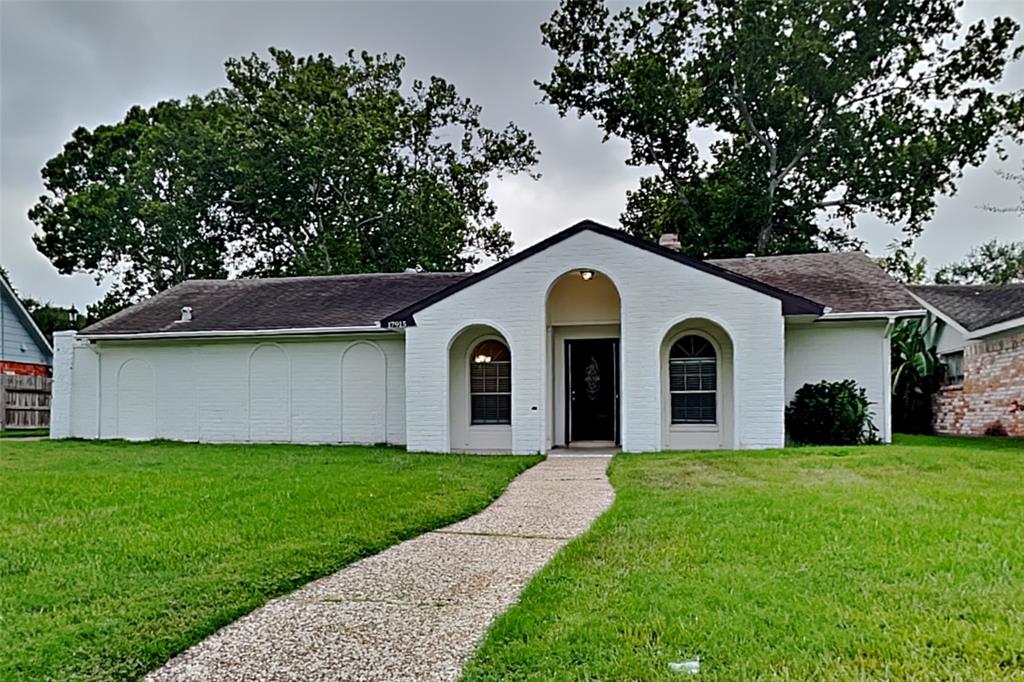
(693, 381)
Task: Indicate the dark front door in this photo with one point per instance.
(592, 369)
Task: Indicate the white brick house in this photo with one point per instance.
(590, 337)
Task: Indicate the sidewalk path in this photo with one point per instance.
(418, 610)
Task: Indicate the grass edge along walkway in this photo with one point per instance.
(115, 556)
(886, 562)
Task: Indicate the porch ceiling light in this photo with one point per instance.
(587, 275)
(482, 358)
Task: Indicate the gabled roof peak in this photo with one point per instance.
(792, 304)
(27, 320)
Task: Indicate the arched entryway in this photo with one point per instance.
(583, 313)
(697, 386)
(480, 391)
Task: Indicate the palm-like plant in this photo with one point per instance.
(916, 373)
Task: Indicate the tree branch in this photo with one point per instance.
(741, 105)
(802, 150)
(856, 201)
(773, 162)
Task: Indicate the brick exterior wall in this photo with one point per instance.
(386, 387)
(992, 393)
(656, 294)
(337, 389)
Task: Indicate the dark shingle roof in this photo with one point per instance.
(845, 282)
(974, 307)
(278, 303)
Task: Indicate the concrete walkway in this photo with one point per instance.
(418, 610)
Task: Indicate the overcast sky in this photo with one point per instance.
(63, 65)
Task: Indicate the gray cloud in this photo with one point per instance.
(65, 64)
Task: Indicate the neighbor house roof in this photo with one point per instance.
(977, 306)
(284, 303)
(848, 282)
(14, 309)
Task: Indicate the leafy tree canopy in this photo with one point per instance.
(298, 166)
(141, 201)
(52, 318)
(824, 109)
(991, 263)
(903, 263)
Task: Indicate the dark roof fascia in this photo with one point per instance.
(221, 334)
(791, 303)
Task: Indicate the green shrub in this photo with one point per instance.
(831, 413)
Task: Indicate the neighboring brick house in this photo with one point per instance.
(24, 349)
(980, 341)
(591, 337)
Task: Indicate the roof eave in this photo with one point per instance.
(995, 328)
(233, 333)
(945, 317)
(872, 315)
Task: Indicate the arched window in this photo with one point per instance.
(693, 381)
(490, 383)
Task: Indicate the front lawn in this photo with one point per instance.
(897, 562)
(116, 556)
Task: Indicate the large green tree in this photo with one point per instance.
(140, 202)
(818, 111)
(298, 166)
(341, 170)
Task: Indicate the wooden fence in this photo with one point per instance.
(24, 402)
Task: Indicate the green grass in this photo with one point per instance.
(116, 556)
(22, 433)
(898, 562)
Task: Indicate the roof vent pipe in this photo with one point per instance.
(749, 255)
(186, 314)
(670, 240)
(411, 271)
